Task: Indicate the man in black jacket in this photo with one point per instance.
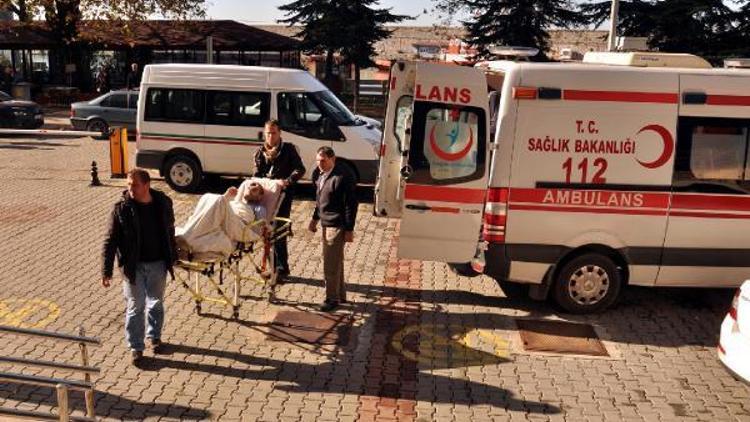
(141, 235)
(336, 209)
(279, 160)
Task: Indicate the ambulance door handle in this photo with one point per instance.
(406, 171)
(418, 207)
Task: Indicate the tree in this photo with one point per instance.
(512, 22)
(347, 27)
(365, 26)
(704, 27)
(64, 17)
(320, 32)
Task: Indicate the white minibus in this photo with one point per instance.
(198, 119)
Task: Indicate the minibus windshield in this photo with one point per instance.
(334, 108)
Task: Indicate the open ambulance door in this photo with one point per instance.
(444, 162)
(393, 147)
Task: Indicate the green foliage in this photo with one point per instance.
(512, 22)
(347, 27)
(707, 28)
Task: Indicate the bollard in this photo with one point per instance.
(94, 175)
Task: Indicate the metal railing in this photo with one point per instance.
(62, 386)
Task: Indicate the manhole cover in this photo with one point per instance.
(308, 327)
(560, 337)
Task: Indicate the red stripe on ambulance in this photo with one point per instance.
(445, 194)
(621, 96)
(728, 100)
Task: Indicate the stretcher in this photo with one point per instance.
(218, 278)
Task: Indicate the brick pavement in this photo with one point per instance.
(425, 344)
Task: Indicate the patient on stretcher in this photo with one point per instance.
(220, 221)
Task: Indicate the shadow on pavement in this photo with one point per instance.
(664, 317)
(109, 405)
(333, 377)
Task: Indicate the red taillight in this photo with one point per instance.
(495, 215)
(721, 349)
(735, 304)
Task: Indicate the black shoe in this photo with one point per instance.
(136, 357)
(157, 346)
(328, 306)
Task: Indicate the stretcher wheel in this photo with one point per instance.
(236, 312)
(198, 308)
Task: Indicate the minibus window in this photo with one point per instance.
(174, 105)
(302, 114)
(237, 108)
(334, 108)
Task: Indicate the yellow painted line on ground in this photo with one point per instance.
(21, 312)
(451, 345)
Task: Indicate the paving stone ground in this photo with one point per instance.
(424, 345)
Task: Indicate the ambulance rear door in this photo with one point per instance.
(445, 160)
(396, 129)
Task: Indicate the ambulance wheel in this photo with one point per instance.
(183, 173)
(463, 269)
(588, 283)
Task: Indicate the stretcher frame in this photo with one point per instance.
(213, 273)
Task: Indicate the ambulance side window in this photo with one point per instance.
(403, 120)
(448, 143)
(712, 155)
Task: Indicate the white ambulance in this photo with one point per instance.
(625, 170)
(196, 119)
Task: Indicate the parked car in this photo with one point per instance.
(734, 341)
(115, 108)
(19, 114)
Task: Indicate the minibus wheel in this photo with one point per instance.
(183, 173)
(587, 283)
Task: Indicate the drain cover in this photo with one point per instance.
(309, 327)
(560, 337)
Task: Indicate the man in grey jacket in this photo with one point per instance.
(336, 209)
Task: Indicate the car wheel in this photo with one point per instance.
(183, 173)
(98, 125)
(588, 283)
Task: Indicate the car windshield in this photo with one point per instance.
(5, 97)
(334, 108)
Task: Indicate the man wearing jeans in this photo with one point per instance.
(141, 234)
(336, 209)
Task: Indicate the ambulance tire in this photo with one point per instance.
(588, 283)
(463, 269)
(183, 173)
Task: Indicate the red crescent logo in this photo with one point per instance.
(447, 156)
(668, 146)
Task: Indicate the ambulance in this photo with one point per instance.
(627, 169)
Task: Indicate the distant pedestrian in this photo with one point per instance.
(336, 209)
(133, 78)
(102, 80)
(279, 160)
(141, 235)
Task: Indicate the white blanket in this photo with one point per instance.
(218, 223)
